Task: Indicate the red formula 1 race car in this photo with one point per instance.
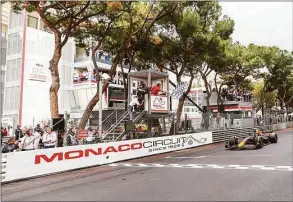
(258, 139)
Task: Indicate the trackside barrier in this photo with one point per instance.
(281, 126)
(223, 135)
(21, 165)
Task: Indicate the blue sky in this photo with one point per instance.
(262, 23)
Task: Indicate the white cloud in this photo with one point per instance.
(263, 23)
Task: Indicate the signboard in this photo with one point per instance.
(38, 72)
(159, 103)
(46, 161)
(82, 134)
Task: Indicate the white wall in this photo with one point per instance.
(39, 49)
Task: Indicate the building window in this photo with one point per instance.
(32, 22)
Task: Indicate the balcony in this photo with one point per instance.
(99, 60)
(82, 59)
(83, 80)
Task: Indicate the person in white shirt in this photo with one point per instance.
(38, 137)
(134, 103)
(27, 142)
(49, 138)
(90, 136)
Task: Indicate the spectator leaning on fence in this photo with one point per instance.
(49, 138)
(70, 139)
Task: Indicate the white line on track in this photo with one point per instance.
(184, 157)
(208, 166)
(200, 157)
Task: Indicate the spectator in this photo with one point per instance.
(39, 129)
(27, 142)
(60, 138)
(10, 146)
(71, 140)
(49, 138)
(101, 53)
(156, 89)
(18, 133)
(90, 136)
(10, 131)
(4, 132)
(134, 103)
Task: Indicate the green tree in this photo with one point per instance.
(263, 99)
(243, 62)
(132, 27)
(185, 38)
(93, 35)
(62, 18)
(279, 64)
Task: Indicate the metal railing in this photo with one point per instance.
(115, 125)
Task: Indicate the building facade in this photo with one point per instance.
(27, 79)
(4, 28)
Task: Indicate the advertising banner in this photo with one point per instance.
(40, 162)
(37, 72)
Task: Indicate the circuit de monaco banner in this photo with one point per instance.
(39, 162)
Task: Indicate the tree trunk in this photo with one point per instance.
(54, 88)
(206, 114)
(220, 100)
(125, 85)
(95, 99)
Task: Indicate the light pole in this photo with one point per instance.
(100, 106)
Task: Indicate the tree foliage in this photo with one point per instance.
(263, 99)
(183, 41)
(134, 25)
(279, 63)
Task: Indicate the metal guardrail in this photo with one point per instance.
(223, 135)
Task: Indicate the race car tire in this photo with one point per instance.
(260, 142)
(232, 141)
(273, 138)
(266, 140)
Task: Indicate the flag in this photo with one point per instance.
(179, 90)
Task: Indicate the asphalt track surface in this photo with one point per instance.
(200, 174)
